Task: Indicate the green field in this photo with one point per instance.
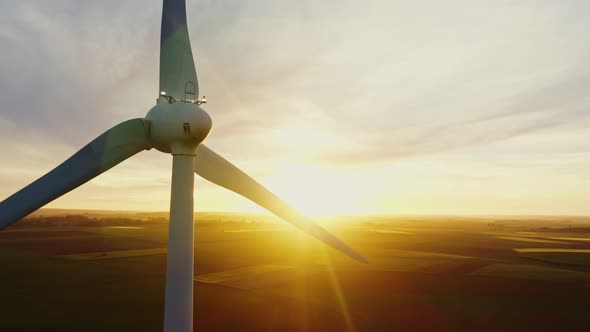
(250, 276)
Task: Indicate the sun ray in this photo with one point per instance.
(336, 287)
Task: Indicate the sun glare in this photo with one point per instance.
(315, 190)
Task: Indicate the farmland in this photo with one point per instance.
(253, 273)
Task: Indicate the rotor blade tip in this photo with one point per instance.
(360, 258)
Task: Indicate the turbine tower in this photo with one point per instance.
(175, 125)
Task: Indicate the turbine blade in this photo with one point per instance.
(107, 150)
(216, 169)
(178, 77)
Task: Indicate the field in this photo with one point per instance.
(256, 274)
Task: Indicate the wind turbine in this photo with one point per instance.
(175, 125)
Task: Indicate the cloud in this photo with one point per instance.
(66, 65)
(564, 103)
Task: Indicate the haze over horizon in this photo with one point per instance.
(338, 107)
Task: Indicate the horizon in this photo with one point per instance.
(269, 214)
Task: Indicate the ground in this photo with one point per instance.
(269, 277)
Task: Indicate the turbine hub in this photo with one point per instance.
(178, 127)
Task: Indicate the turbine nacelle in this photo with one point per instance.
(178, 127)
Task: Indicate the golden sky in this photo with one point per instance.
(460, 107)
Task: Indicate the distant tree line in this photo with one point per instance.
(82, 220)
(202, 220)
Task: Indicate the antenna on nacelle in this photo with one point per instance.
(202, 101)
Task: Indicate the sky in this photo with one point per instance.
(339, 107)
